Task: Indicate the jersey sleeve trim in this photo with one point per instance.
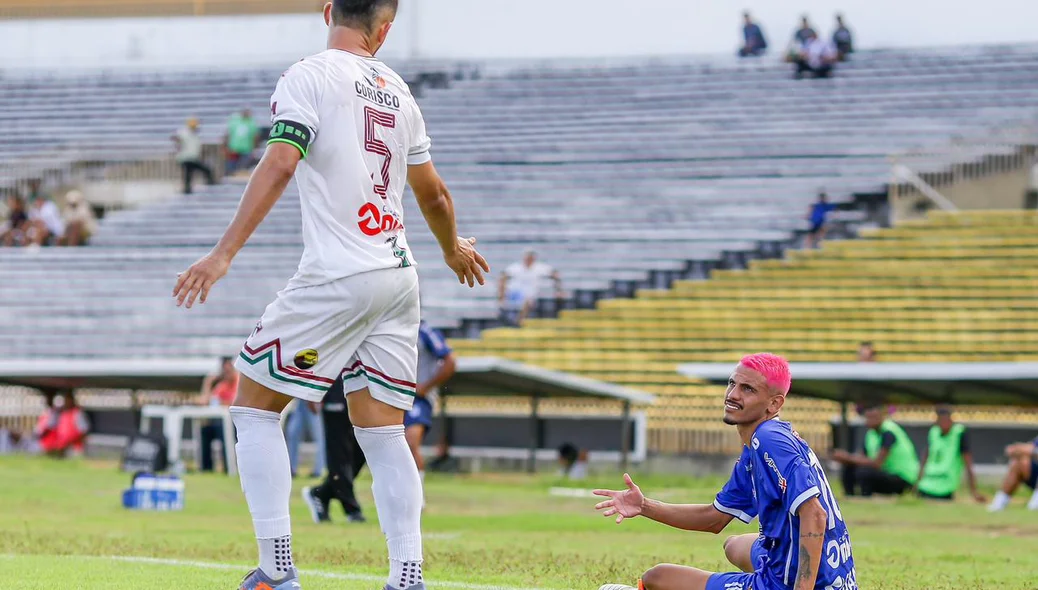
(302, 151)
(733, 512)
(809, 493)
(417, 159)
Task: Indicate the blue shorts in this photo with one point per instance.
(421, 412)
(740, 580)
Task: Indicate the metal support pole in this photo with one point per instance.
(625, 436)
(531, 460)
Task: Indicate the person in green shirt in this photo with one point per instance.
(889, 465)
(240, 141)
(946, 456)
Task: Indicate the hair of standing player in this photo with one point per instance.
(774, 368)
(360, 14)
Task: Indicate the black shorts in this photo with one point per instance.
(816, 227)
(1032, 482)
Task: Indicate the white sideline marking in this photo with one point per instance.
(233, 567)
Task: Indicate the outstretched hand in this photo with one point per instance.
(467, 263)
(197, 280)
(623, 503)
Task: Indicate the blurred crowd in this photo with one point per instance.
(810, 54)
(33, 218)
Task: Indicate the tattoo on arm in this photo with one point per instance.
(804, 568)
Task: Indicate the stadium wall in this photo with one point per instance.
(480, 30)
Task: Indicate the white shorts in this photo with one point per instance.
(363, 327)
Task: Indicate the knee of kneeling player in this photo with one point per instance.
(728, 548)
(653, 578)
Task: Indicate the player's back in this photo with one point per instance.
(358, 127)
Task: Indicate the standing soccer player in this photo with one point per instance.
(350, 131)
(803, 543)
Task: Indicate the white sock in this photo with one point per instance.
(266, 479)
(1032, 504)
(1000, 502)
(397, 488)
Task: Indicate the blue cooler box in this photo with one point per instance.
(154, 492)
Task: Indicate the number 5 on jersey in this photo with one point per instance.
(374, 145)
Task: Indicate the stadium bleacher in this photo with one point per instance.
(676, 171)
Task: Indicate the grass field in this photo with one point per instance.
(61, 527)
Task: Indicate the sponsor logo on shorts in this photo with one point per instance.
(736, 586)
(306, 359)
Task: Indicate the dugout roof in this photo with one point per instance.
(485, 376)
(953, 383)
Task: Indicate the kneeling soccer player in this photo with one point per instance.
(803, 543)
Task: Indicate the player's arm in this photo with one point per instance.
(923, 458)
(813, 519)
(438, 209)
(688, 517)
(265, 187)
(1024, 449)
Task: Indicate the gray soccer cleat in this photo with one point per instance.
(419, 586)
(616, 587)
(257, 580)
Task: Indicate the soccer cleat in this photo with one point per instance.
(418, 586)
(257, 580)
(318, 508)
(616, 587)
(357, 517)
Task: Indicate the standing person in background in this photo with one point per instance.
(218, 389)
(842, 39)
(240, 141)
(189, 154)
(521, 285)
(946, 456)
(305, 416)
(436, 365)
(754, 43)
(889, 466)
(1023, 469)
(63, 426)
(345, 460)
(80, 221)
(818, 217)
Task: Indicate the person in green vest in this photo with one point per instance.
(946, 456)
(240, 141)
(889, 465)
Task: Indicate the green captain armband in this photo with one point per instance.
(292, 133)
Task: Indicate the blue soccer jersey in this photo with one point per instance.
(771, 480)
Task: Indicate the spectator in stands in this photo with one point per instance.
(818, 216)
(754, 43)
(889, 465)
(189, 154)
(305, 416)
(13, 231)
(218, 389)
(46, 225)
(240, 141)
(866, 352)
(804, 33)
(946, 456)
(842, 39)
(522, 284)
(63, 427)
(80, 221)
(816, 58)
(1023, 469)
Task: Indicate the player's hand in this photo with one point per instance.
(624, 503)
(980, 498)
(468, 264)
(841, 455)
(196, 281)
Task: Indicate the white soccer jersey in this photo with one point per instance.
(358, 128)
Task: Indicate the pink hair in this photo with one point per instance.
(774, 368)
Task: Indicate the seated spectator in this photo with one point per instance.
(63, 426)
(14, 231)
(816, 58)
(572, 462)
(866, 352)
(842, 39)
(240, 141)
(818, 217)
(80, 221)
(754, 43)
(218, 389)
(522, 284)
(46, 225)
(946, 456)
(804, 33)
(889, 465)
(1023, 469)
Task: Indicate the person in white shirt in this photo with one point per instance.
(522, 284)
(189, 154)
(350, 131)
(80, 221)
(816, 58)
(46, 223)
